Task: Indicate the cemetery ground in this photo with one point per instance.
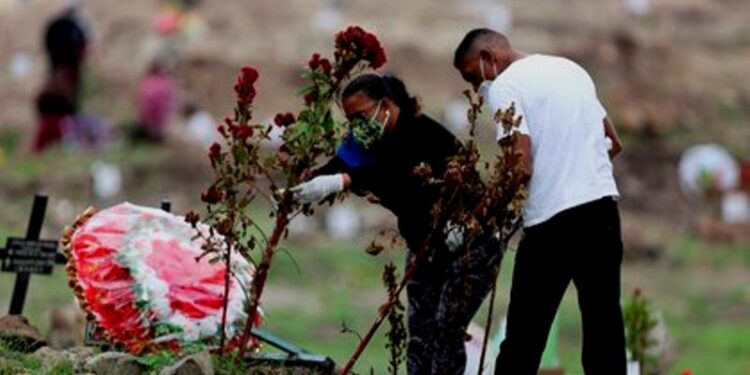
(317, 284)
(684, 82)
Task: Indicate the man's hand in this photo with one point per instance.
(318, 188)
(614, 140)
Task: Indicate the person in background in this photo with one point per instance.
(158, 102)
(571, 219)
(388, 138)
(65, 43)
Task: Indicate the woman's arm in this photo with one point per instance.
(333, 166)
(332, 178)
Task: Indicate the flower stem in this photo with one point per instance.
(259, 281)
(384, 310)
(488, 326)
(227, 279)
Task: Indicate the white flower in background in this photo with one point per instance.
(498, 17)
(735, 208)
(21, 66)
(707, 168)
(638, 7)
(106, 180)
(343, 222)
(454, 116)
(328, 19)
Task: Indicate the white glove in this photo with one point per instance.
(454, 236)
(318, 188)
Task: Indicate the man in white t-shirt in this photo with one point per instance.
(571, 219)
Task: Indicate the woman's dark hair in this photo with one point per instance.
(379, 87)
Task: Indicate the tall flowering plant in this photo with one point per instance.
(242, 174)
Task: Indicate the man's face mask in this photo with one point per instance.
(368, 131)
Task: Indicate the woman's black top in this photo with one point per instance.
(387, 171)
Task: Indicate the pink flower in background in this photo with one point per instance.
(167, 23)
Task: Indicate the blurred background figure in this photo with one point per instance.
(158, 102)
(65, 43)
(179, 18)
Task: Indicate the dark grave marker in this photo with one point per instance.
(29, 255)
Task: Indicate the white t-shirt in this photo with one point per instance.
(564, 119)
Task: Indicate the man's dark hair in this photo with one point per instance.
(379, 87)
(471, 38)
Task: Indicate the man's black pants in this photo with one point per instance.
(583, 245)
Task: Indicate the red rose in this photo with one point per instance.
(310, 97)
(249, 74)
(212, 195)
(284, 119)
(326, 66)
(314, 62)
(317, 62)
(354, 45)
(222, 130)
(245, 85)
(214, 152)
(378, 59)
(243, 132)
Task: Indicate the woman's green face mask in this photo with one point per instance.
(368, 131)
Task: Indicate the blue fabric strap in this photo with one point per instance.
(354, 154)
